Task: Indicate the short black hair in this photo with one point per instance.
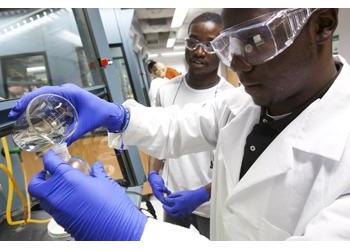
(150, 65)
(205, 17)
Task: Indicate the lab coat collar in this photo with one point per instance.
(327, 119)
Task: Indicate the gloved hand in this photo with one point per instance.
(158, 186)
(93, 111)
(181, 204)
(89, 207)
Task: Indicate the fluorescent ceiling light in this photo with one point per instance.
(170, 43)
(174, 53)
(36, 69)
(153, 56)
(179, 17)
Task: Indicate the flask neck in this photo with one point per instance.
(62, 151)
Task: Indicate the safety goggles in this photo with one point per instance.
(261, 39)
(193, 44)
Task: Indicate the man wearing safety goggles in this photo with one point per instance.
(182, 184)
(281, 165)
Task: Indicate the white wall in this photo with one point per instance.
(344, 33)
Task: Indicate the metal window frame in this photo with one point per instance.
(128, 70)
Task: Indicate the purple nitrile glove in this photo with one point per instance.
(93, 111)
(158, 186)
(89, 207)
(181, 204)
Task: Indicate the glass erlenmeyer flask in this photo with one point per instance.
(49, 119)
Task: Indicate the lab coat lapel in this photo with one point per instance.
(270, 163)
(232, 140)
(232, 137)
(275, 160)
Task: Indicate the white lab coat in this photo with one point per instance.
(299, 188)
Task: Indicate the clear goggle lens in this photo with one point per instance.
(192, 44)
(263, 38)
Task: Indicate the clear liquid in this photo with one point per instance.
(31, 141)
(48, 120)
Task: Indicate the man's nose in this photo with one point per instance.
(199, 50)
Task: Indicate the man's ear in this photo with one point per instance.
(326, 21)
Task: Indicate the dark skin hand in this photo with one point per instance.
(208, 188)
(289, 80)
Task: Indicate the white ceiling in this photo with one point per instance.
(155, 26)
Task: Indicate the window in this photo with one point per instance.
(23, 73)
(42, 47)
(122, 72)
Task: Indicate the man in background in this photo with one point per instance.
(160, 74)
(189, 176)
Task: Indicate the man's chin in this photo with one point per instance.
(258, 100)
